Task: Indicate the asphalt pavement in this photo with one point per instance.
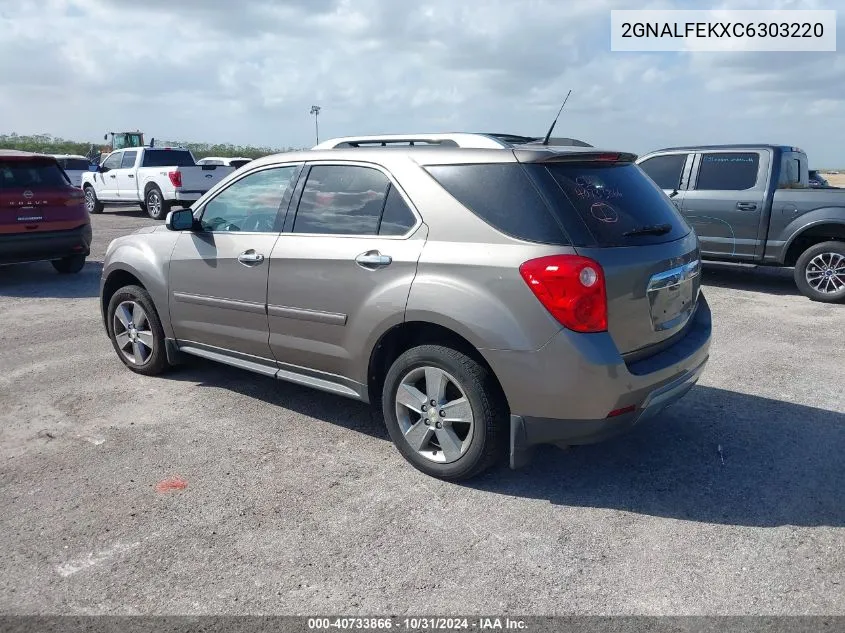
(732, 502)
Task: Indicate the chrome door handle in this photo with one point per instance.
(250, 257)
(746, 206)
(373, 259)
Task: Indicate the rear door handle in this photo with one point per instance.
(746, 206)
(373, 259)
(112, 176)
(131, 175)
(250, 257)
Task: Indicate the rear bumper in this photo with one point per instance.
(188, 196)
(19, 248)
(564, 392)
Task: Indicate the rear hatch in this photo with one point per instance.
(614, 214)
(36, 195)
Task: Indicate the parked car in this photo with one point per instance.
(74, 166)
(752, 204)
(156, 178)
(237, 162)
(405, 278)
(42, 215)
(817, 180)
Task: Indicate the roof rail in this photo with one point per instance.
(458, 139)
(454, 139)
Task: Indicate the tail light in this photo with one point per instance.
(74, 197)
(175, 178)
(572, 288)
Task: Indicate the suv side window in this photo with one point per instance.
(397, 218)
(342, 200)
(727, 171)
(665, 170)
(128, 160)
(113, 161)
(250, 204)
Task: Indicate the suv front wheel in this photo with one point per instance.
(136, 332)
(444, 412)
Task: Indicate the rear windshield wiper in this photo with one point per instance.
(654, 229)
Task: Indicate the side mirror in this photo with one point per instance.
(93, 167)
(180, 220)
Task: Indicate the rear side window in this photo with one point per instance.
(397, 218)
(128, 160)
(342, 200)
(168, 158)
(665, 170)
(618, 204)
(727, 171)
(503, 196)
(31, 174)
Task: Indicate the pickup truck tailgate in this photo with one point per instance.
(203, 177)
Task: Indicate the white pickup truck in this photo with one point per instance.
(156, 178)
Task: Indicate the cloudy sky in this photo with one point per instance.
(247, 72)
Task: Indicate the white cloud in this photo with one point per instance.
(248, 73)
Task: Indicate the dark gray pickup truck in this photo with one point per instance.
(752, 204)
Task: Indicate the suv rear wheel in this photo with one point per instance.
(444, 412)
(820, 272)
(136, 332)
(70, 264)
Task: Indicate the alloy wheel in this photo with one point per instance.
(434, 414)
(825, 273)
(132, 332)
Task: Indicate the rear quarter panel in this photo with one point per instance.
(794, 210)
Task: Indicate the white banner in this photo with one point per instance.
(723, 30)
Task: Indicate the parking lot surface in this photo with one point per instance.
(732, 502)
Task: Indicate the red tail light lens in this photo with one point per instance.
(572, 288)
(175, 178)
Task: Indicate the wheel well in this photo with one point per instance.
(149, 186)
(114, 282)
(403, 337)
(813, 235)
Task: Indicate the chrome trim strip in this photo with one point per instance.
(674, 276)
(216, 302)
(301, 314)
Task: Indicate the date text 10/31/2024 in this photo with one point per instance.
(417, 624)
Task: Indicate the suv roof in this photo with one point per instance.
(451, 139)
(785, 148)
(15, 153)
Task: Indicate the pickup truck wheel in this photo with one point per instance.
(91, 203)
(136, 332)
(444, 412)
(157, 206)
(820, 272)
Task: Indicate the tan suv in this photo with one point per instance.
(484, 300)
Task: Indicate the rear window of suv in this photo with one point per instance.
(168, 158)
(74, 164)
(615, 202)
(31, 174)
(585, 204)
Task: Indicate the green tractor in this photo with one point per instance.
(121, 140)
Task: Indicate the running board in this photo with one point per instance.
(718, 263)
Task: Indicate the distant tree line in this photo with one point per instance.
(48, 144)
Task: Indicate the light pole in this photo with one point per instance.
(315, 110)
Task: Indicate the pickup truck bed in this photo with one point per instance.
(752, 204)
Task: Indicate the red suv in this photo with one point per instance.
(42, 216)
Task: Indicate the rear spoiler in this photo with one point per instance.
(525, 155)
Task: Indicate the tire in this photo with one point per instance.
(157, 206)
(149, 332)
(70, 264)
(481, 443)
(820, 272)
(92, 204)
